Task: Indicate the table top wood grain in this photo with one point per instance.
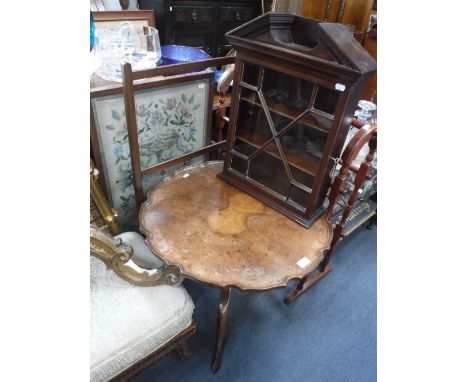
(221, 236)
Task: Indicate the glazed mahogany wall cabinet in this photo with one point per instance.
(297, 84)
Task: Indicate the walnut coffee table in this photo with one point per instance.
(220, 236)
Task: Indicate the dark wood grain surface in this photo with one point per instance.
(221, 236)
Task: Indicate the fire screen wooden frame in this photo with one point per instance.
(169, 100)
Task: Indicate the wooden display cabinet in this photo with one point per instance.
(200, 23)
(296, 87)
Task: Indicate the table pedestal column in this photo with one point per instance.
(222, 318)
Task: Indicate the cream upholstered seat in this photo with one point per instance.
(139, 309)
(129, 322)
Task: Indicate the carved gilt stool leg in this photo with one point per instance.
(222, 318)
(183, 350)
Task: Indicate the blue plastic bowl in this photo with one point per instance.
(178, 54)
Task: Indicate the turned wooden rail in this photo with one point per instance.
(367, 134)
(221, 120)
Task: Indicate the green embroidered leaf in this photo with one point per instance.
(118, 160)
(184, 98)
(192, 98)
(110, 127)
(116, 115)
(196, 106)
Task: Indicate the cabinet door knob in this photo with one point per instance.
(194, 16)
(238, 16)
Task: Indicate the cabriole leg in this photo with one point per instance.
(222, 318)
(183, 350)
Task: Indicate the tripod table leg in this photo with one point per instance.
(222, 318)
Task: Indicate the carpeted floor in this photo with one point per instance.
(328, 335)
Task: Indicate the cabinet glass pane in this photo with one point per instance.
(252, 123)
(250, 74)
(282, 128)
(326, 100)
(299, 196)
(303, 146)
(267, 168)
(290, 95)
(243, 147)
(239, 164)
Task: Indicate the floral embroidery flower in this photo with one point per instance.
(184, 112)
(167, 127)
(122, 132)
(171, 103)
(117, 151)
(141, 110)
